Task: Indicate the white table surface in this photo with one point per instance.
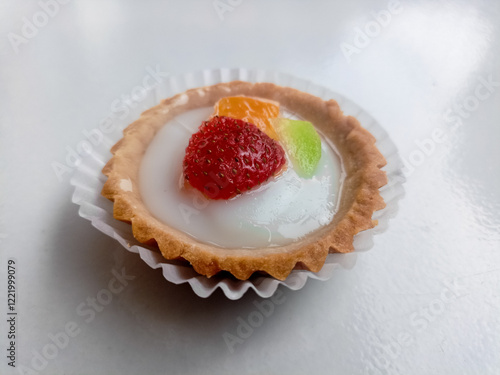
(424, 300)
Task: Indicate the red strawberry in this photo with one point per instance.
(228, 156)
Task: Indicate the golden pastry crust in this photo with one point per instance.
(360, 195)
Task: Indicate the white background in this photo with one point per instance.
(424, 300)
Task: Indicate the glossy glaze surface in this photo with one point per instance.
(281, 211)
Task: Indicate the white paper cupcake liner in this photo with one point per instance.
(88, 181)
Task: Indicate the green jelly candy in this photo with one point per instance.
(302, 143)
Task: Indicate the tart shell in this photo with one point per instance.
(360, 195)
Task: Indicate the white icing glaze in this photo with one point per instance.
(279, 212)
(126, 184)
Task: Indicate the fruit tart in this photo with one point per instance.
(246, 177)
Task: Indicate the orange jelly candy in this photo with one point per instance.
(255, 111)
